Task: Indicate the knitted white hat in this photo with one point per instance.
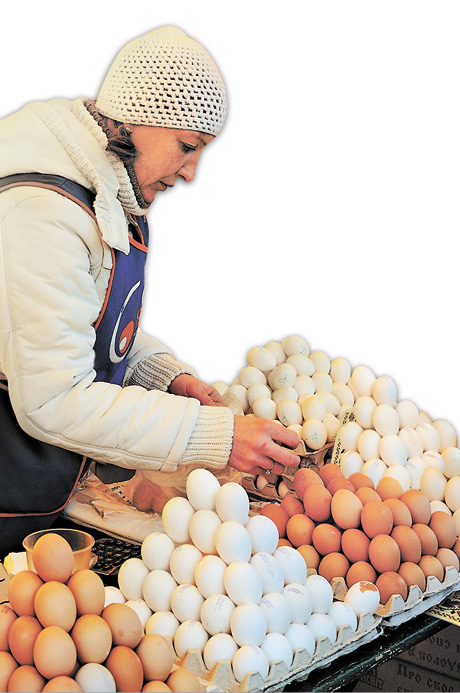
(167, 79)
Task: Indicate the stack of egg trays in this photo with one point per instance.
(221, 678)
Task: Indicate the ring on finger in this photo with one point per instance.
(268, 471)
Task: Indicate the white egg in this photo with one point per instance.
(349, 434)
(314, 433)
(330, 400)
(258, 391)
(209, 575)
(432, 458)
(282, 375)
(447, 434)
(186, 603)
(183, 562)
(269, 570)
(295, 345)
(424, 418)
(247, 659)
(202, 529)
(233, 542)
(362, 380)
(156, 550)
(286, 392)
(368, 444)
(351, 462)
(142, 609)
(363, 409)
(321, 361)
(340, 370)
(242, 583)
(95, 677)
(300, 601)
(262, 358)
(320, 592)
(157, 589)
(190, 635)
(408, 413)
(343, 615)
(263, 532)
(332, 425)
(430, 437)
(412, 441)
(264, 408)
(314, 408)
(113, 595)
(241, 394)
(415, 467)
(384, 390)
(400, 474)
(322, 626)
(201, 488)
(292, 564)
(289, 412)
(283, 489)
(304, 385)
(363, 597)
(248, 624)
(456, 516)
(221, 388)
(277, 351)
(385, 420)
(343, 393)
(278, 611)
(302, 364)
(451, 457)
(216, 613)
(131, 576)
(261, 482)
(277, 648)
(301, 637)
(162, 623)
(392, 450)
(323, 381)
(232, 503)
(374, 468)
(432, 483)
(219, 647)
(175, 517)
(249, 375)
(437, 505)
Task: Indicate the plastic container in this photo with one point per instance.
(81, 543)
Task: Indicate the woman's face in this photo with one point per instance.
(164, 155)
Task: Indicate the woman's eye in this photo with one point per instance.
(186, 148)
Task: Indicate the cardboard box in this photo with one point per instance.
(399, 675)
(440, 652)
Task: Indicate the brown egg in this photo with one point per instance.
(124, 623)
(408, 542)
(92, 637)
(283, 542)
(183, 681)
(333, 565)
(326, 538)
(302, 478)
(412, 574)
(21, 592)
(443, 525)
(340, 483)
(455, 549)
(292, 505)
(448, 557)
(21, 638)
(400, 511)
(62, 684)
(55, 653)
(389, 583)
(366, 495)
(7, 665)
(54, 605)
(329, 471)
(310, 556)
(418, 504)
(376, 518)
(427, 538)
(346, 509)
(52, 557)
(26, 678)
(88, 591)
(361, 570)
(317, 502)
(157, 657)
(276, 515)
(7, 616)
(360, 480)
(384, 553)
(299, 529)
(432, 566)
(389, 488)
(155, 687)
(126, 668)
(355, 545)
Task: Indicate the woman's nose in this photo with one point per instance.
(187, 172)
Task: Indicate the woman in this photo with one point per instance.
(81, 376)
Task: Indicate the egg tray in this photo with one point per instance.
(221, 678)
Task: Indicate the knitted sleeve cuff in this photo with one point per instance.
(157, 372)
(210, 444)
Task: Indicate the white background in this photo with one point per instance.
(329, 204)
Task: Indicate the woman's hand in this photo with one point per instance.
(257, 446)
(189, 386)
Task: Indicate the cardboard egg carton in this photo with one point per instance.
(221, 677)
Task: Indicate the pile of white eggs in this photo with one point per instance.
(217, 581)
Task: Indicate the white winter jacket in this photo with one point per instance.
(55, 264)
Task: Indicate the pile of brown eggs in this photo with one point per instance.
(56, 634)
(347, 528)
